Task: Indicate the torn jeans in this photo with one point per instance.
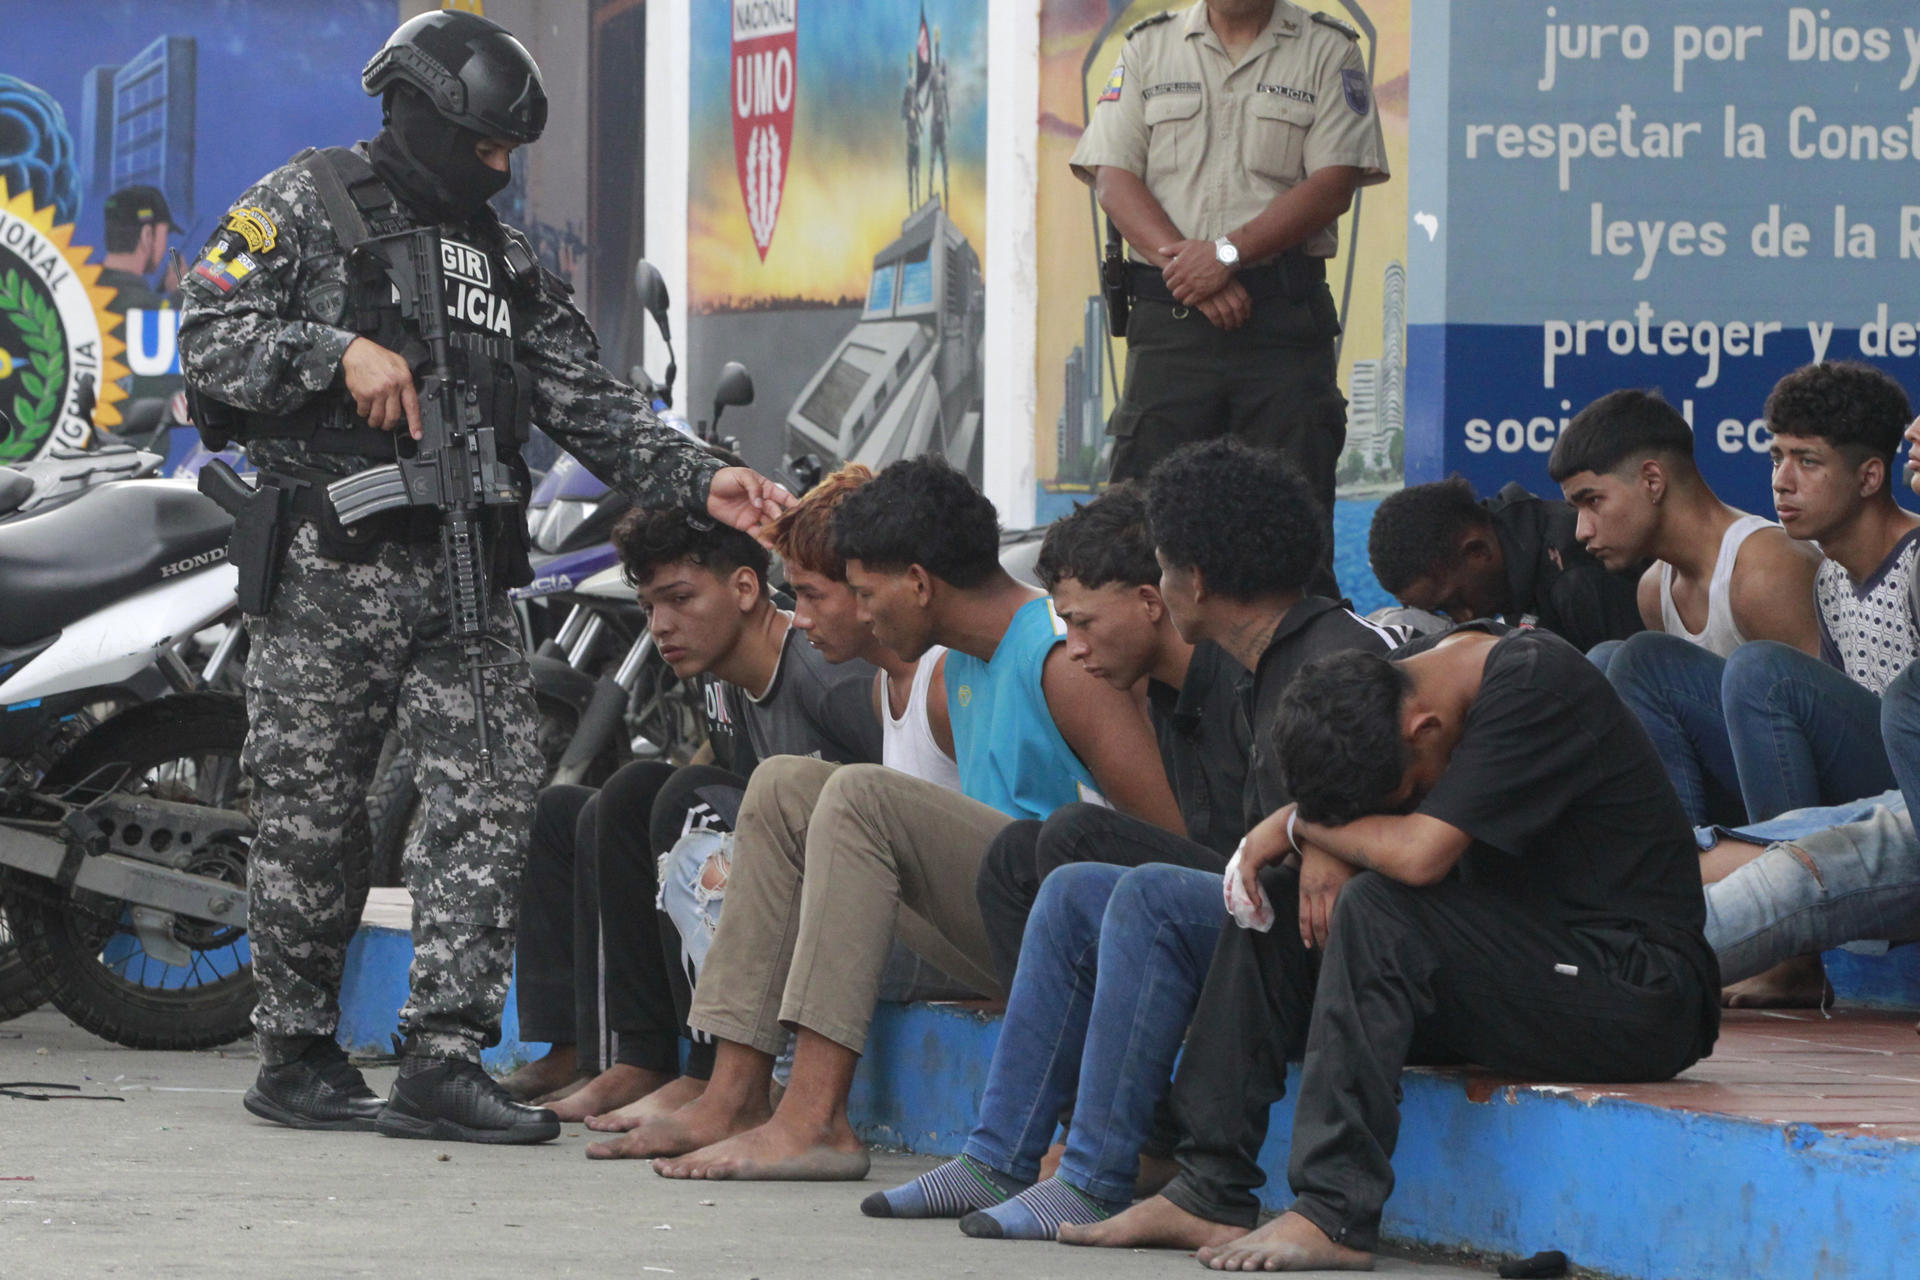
(1831, 876)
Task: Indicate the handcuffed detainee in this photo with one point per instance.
(381, 344)
(1226, 144)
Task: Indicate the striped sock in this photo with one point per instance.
(953, 1189)
(1039, 1212)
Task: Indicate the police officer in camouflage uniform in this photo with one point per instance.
(1225, 145)
(353, 640)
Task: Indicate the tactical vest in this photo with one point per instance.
(488, 290)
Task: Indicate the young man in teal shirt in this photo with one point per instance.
(827, 859)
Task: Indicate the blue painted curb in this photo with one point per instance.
(1622, 1187)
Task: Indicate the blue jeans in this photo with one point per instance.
(1900, 731)
(1831, 877)
(1109, 973)
(1759, 733)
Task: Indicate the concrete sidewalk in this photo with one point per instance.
(177, 1180)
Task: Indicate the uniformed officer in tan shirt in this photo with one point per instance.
(1226, 144)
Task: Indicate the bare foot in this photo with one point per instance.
(671, 1096)
(1157, 1223)
(701, 1123)
(1050, 1162)
(542, 1075)
(1288, 1243)
(617, 1086)
(1799, 983)
(1155, 1173)
(565, 1091)
(778, 1151)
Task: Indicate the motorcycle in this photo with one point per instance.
(124, 824)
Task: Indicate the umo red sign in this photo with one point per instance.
(763, 87)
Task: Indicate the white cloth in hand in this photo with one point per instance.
(1253, 912)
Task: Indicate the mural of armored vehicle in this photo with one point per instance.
(906, 379)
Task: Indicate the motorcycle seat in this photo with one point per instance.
(15, 489)
(106, 545)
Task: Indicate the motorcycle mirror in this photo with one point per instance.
(806, 471)
(735, 387)
(652, 289)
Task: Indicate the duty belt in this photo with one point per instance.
(1292, 276)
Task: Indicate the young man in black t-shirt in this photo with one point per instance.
(1493, 867)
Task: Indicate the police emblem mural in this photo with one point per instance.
(764, 71)
(59, 357)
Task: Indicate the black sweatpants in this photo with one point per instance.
(1025, 852)
(1441, 974)
(598, 965)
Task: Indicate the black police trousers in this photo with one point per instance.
(1271, 383)
(1025, 852)
(1447, 973)
(599, 966)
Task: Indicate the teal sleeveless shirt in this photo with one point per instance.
(1010, 752)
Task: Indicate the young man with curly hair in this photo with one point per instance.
(1777, 727)
(1119, 942)
(1484, 862)
(594, 952)
(1512, 556)
(829, 861)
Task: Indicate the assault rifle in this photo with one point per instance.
(454, 466)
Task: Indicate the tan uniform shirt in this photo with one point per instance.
(1214, 140)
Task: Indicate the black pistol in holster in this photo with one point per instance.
(259, 540)
(1116, 282)
(455, 466)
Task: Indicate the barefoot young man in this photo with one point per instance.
(827, 860)
(770, 693)
(917, 738)
(1133, 924)
(1721, 577)
(1492, 866)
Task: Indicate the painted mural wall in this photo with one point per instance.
(1686, 195)
(1078, 365)
(190, 99)
(836, 214)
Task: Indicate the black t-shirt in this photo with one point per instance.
(811, 708)
(1570, 810)
(1204, 743)
(1313, 628)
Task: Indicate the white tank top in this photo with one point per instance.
(1720, 635)
(907, 743)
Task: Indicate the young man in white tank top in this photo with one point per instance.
(1720, 577)
(1806, 731)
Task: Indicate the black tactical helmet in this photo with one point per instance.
(473, 71)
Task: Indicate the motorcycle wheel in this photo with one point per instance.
(20, 991)
(82, 945)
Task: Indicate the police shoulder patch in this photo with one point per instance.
(1327, 20)
(252, 223)
(1144, 23)
(1114, 83)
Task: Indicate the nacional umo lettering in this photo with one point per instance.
(755, 18)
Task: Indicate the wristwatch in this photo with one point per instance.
(1226, 252)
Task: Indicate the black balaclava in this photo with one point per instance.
(430, 162)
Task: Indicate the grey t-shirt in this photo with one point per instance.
(811, 708)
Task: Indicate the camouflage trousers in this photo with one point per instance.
(347, 652)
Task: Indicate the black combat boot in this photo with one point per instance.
(319, 1089)
(453, 1100)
